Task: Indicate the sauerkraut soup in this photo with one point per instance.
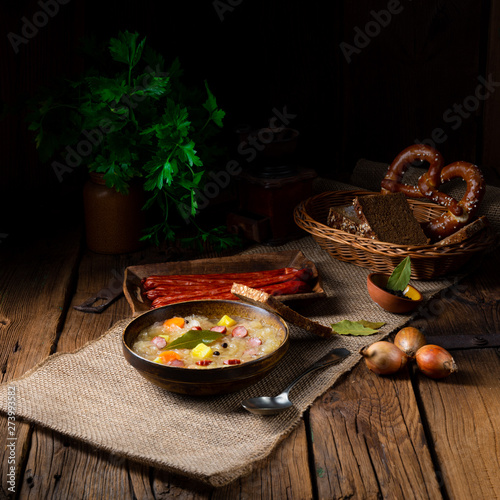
(199, 342)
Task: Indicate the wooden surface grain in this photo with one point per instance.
(35, 283)
(368, 440)
(463, 417)
(403, 436)
(461, 413)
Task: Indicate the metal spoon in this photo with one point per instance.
(265, 405)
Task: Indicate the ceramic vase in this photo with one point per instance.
(114, 222)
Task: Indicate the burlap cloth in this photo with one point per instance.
(95, 396)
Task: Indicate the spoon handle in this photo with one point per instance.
(332, 358)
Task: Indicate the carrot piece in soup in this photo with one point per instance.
(167, 356)
(175, 321)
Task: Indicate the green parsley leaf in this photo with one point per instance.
(189, 154)
(154, 86)
(210, 105)
(107, 89)
(125, 48)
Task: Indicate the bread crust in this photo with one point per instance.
(268, 302)
(345, 218)
(466, 232)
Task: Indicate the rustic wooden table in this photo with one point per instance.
(403, 436)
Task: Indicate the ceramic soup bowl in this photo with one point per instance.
(204, 382)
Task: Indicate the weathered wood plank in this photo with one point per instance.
(284, 474)
(376, 444)
(75, 464)
(369, 441)
(463, 414)
(62, 466)
(468, 303)
(58, 468)
(463, 411)
(95, 273)
(54, 465)
(35, 284)
(34, 290)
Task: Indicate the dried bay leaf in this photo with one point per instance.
(400, 277)
(194, 337)
(347, 327)
(370, 324)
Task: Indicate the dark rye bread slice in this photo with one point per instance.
(268, 302)
(391, 218)
(345, 218)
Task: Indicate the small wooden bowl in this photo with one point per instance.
(376, 283)
(212, 381)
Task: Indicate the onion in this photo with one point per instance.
(384, 358)
(409, 340)
(435, 361)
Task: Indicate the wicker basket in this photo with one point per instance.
(428, 261)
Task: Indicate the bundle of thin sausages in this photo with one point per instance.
(162, 290)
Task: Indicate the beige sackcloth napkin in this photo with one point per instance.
(95, 396)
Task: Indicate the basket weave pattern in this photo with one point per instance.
(428, 261)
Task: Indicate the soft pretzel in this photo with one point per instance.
(429, 190)
(449, 222)
(392, 181)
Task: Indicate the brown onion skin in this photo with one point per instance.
(384, 358)
(435, 362)
(410, 340)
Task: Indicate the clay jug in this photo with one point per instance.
(113, 221)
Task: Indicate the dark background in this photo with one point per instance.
(257, 56)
